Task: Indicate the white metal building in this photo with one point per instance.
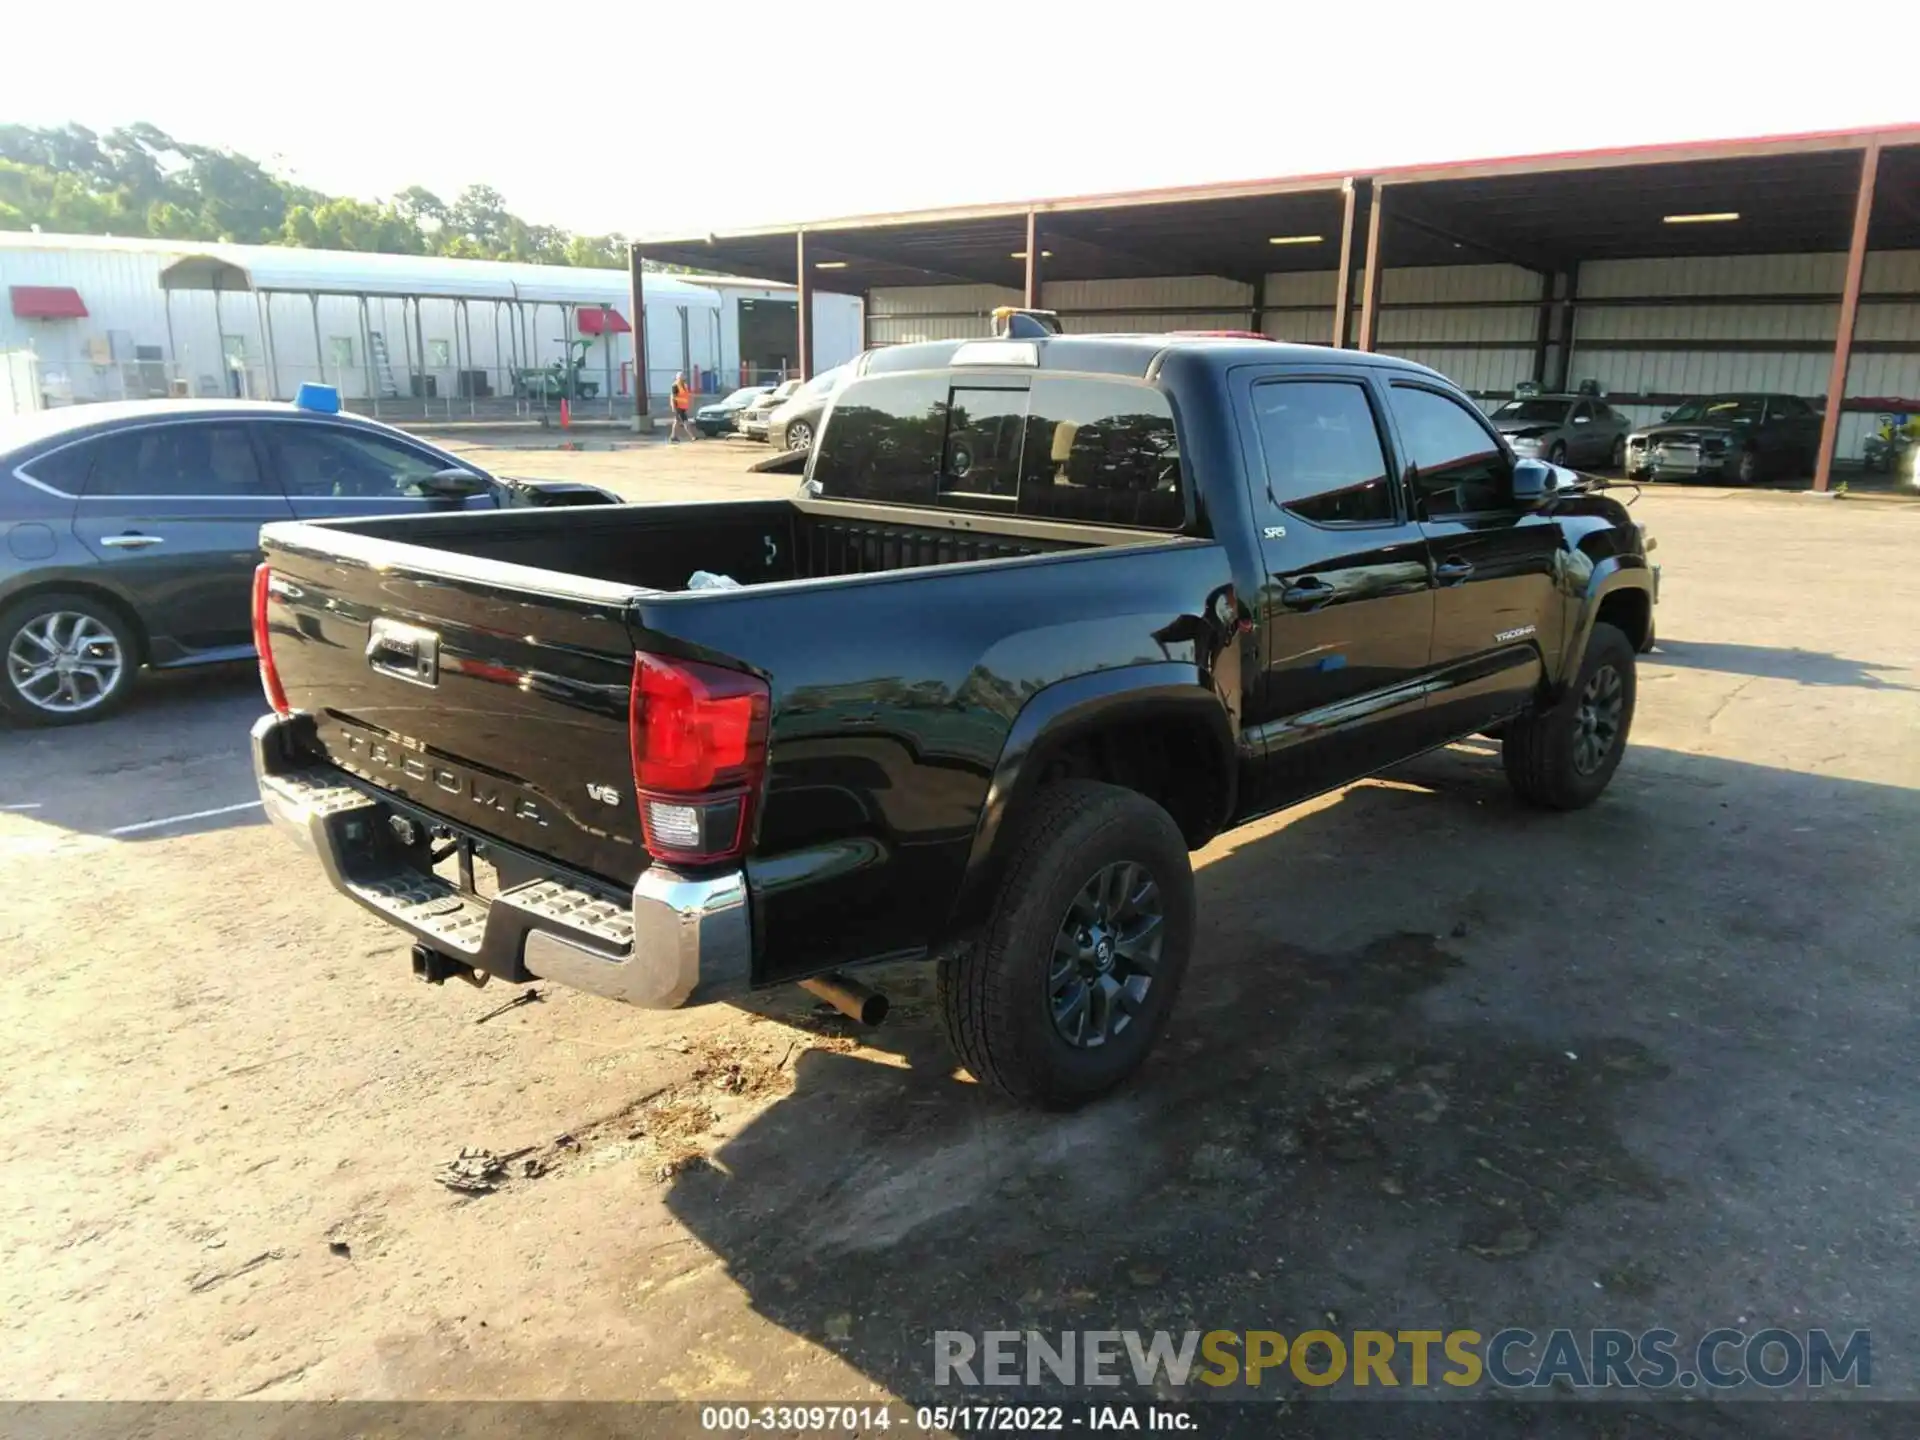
(100, 317)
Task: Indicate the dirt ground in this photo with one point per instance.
(1440, 1062)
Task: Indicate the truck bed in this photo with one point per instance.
(532, 619)
(756, 542)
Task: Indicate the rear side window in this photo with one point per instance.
(178, 462)
(65, 470)
(1322, 450)
(1069, 448)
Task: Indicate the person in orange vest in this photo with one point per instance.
(682, 410)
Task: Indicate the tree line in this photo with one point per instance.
(138, 180)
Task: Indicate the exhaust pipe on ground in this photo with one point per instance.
(849, 997)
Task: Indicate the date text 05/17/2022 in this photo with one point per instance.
(1013, 1419)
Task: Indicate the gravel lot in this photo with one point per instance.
(1440, 1063)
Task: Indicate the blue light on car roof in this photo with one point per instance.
(321, 399)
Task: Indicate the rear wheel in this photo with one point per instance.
(1617, 459)
(69, 659)
(1066, 992)
(1561, 758)
(1558, 454)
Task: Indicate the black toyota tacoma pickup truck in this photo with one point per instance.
(1046, 614)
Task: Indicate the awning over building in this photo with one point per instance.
(47, 302)
(603, 321)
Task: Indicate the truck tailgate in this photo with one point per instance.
(488, 693)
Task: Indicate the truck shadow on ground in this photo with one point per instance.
(1426, 1128)
(1804, 667)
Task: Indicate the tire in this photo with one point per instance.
(1749, 471)
(1558, 454)
(1546, 764)
(99, 669)
(799, 436)
(1617, 457)
(1008, 1011)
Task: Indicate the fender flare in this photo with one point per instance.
(1613, 574)
(1068, 707)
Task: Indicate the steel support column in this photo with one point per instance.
(1257, 306)
(1543, 332)
(803, 311)
(366, 356)
(1569, 316)
(1849, 312)
(420, 338)
(637, 289)
(607, 333)
(499, 350)
(1370, 278)
(319, 350)
(1031, 293)
(263, 302)
(1343, 282)
(866, 319)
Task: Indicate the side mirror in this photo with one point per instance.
(453, 484)
(1535, 482)
(1666, 414)
(1581, 419)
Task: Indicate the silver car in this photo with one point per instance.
(753, 420)
(1565, 430)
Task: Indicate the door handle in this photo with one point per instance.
(1453, 570)
(131, 541)
(1306, 593)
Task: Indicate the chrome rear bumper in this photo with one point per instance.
(674, 940)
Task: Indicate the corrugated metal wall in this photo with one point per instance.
(903, 314)
(1477, 324)
(1745, 322)
(1649, 330)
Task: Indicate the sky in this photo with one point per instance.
(686, 119)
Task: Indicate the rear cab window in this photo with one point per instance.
(1097, 449)
(1323, 456)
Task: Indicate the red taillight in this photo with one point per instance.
(269, 677)
(699, 738)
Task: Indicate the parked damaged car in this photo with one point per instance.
(1564, 430)
(1739, 438)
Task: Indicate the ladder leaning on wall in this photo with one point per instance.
(383, 366)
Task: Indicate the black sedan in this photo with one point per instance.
(1742, 438)
(129, 532)
(720, 417)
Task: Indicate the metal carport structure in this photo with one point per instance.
(1305, 257)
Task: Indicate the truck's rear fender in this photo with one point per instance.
(893, 699)
(1129, 725)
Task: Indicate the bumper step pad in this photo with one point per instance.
(605, 920)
